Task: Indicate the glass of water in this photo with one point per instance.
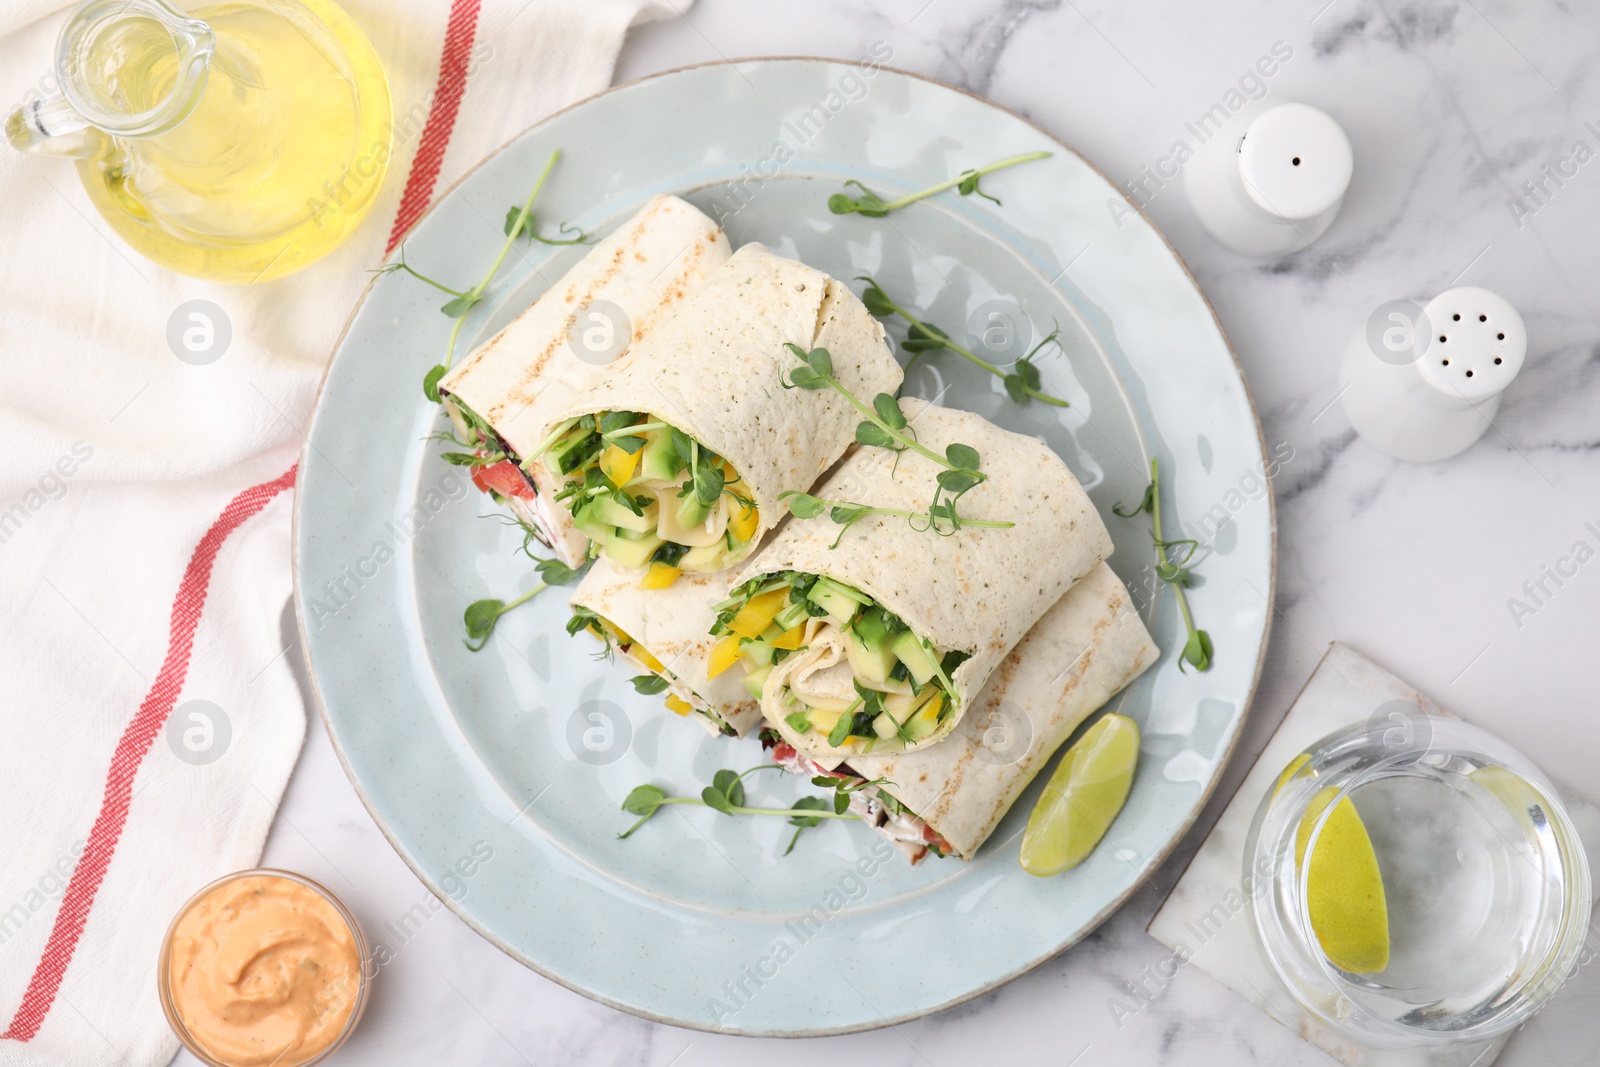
(1485, 883)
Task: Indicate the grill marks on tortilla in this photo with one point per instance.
(640, 327)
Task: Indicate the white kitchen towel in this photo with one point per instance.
(149, 718)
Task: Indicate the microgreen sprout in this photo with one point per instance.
(482, 615)
(847, 513)
(886, 426)
(1173, 571)
(518, 222)
(487, 449)
(966, 183)
(1022, 381)
(530, 536)
(705, 477)
(585, 619)
(842, 788)
(530, 231)
(726, 795)
(649, 684)
(471, 459)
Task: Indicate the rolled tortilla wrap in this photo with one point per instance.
(973, 592)
(714, 375)
(614, 298)
(664, 632)
(1086, 648)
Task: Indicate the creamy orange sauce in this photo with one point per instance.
(264, 970)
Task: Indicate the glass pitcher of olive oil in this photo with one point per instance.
(237, 142)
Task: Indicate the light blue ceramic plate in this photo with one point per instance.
(694, 920)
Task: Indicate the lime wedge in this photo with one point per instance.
(1344, 888)
(1082, 797)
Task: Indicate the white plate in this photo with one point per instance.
(692, 920)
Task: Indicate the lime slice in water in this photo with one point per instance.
(1344, 888)
(1082, 797)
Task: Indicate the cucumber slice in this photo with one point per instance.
(569, 453)
(463, 429)
(608, 511)
(691, 512)
(593, 528)
(634, 535)
(755, 680)
(871, 629)
(871, 665)
(660, 461)
(840, 602)
(757, 654)
(916, 656)
(824, 583)
(705, 559)
(885, 727)
(918, 728)
(902, 705)
(791, 616)
(632, 555)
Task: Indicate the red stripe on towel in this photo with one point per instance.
(463, 27)
(131, 749)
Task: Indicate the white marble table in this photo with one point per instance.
(1452, 106)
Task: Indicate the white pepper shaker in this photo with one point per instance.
(1422, 384)
(1278, 187)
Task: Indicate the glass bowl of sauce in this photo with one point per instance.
(263, 967)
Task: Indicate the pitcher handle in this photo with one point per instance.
(66, 123)
(45, 125)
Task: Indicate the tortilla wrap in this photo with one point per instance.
(976, 590)
(646, 268)
(1086, 649)
(671, 625)
(716, 371)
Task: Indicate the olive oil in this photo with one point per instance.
(279, 157)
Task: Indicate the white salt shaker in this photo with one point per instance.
(1278, 187)
(1422, 384)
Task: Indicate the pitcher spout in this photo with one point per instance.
(105, 35)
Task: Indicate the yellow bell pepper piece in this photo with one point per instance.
(823, 721)
(678, 704)
(659, 576)
(743, 517)
(757, 613)
(619, 464)
(642, 654)
(724, 654)
(790, 638)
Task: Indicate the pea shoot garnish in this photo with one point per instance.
(586, 619)
(524, 227)
(519, 222)
(846, 514)
(1022, 381)
(726, 795)
(487, 452)
(886, 426)
(649, 684)
(482, 615)
(873, 206)
(1174, 572)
